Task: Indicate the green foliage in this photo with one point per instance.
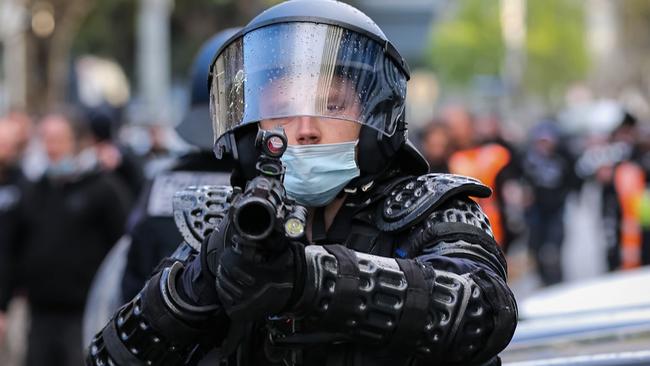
(109, 30)
(556, 48)
(470, 44)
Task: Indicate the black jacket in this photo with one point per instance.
(154, 235)
(12, 185)
(65, 229)
(550, 177)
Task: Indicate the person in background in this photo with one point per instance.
(12, 183)
(548, 173)
(436, 146)
(24, 128)
(31, 156)
(67, 221)
(163, 149)
(111, 155)
(643, 158)
(490, 162)
(511, 201)
(154, 235)
(489, 130)
(623, 191)
(615, 164)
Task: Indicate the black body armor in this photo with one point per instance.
(407, 274)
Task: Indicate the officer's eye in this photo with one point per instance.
(335, 107)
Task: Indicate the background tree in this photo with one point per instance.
(628, 66)
(469, 44)
(54, 25)
(556, 47)
(64, 29)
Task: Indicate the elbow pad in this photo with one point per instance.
(156, 328)
(470, 319)
(433, 314)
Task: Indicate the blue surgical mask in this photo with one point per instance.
(317, 173)
(63, 167)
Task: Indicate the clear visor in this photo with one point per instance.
(305, 69)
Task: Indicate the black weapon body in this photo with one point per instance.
(263, 208)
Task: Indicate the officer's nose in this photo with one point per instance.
(308, 131)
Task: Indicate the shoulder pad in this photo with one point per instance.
(198, 211)
(414, 199)
(166, 184)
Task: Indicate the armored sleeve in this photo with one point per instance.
(442, 298)
(160, 326)
(166, 324)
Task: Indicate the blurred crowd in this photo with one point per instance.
(67, 189)
(71, 186)
(533, 178)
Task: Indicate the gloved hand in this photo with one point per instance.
(198, 277)
(254, 287)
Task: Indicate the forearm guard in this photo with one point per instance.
(353, 295)
(429, 313)
(157, 327)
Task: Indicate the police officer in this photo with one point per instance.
(154, 235)
(12, 185)
(66, 223)
(396, 268)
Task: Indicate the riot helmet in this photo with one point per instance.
(317, 58)
(197, 119)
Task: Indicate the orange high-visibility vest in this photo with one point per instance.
(484, 163)
(629, 183)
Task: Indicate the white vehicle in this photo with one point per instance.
(603, 321)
